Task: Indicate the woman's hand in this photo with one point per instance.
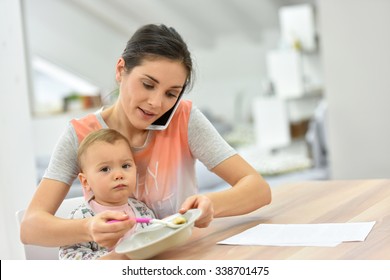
(202, 203)
(107, 234)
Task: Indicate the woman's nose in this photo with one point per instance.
(155, 99)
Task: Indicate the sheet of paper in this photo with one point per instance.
(328, 235)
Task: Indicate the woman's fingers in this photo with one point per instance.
(202, 203)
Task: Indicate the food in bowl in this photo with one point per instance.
(179, 220)
(156, 239)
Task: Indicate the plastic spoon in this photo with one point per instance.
(156, 221)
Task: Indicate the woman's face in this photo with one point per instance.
(150, 89)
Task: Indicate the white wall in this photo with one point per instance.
(232, 71)
(17, 177)
(234, 66)
(228, 75)
(57, 32)
(46, 130)
(356, 58)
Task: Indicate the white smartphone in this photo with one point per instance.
(163, 122)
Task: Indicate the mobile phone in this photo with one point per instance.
(162, 122)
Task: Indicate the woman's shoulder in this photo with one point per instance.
(179, 121)
(85, 125)
(185, 105)
(183, 111)
(90, 120)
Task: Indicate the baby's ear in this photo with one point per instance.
(84, 182)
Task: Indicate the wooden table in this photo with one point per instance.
(307, 202)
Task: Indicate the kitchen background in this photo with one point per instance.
(300, 88)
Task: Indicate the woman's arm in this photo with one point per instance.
(41, 227)
(249, 192)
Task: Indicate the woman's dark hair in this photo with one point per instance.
(157, 41)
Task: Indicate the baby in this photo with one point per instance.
(108, 177)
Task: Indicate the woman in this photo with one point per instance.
(153, 72)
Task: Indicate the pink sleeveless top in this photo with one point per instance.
(165, 166)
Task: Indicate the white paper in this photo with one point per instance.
(328, 235)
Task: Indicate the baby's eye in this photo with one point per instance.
(105, 169)
(126, 166)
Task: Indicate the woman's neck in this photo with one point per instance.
(116, 119)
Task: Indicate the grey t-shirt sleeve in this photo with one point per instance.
(63, 165)
(206, 144)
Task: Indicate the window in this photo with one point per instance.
(57, 90)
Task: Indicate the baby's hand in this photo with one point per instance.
(108, 234)
(203, 203)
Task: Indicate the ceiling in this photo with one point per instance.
(201, 22)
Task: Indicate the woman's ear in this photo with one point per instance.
(120, 68)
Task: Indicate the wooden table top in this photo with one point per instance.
(302, 203)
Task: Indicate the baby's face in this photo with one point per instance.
(110, 171)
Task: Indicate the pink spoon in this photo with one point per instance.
(150, 220)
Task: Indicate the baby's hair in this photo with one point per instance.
(106, 135)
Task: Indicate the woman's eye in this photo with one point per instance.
(172, 94)
(148, 86)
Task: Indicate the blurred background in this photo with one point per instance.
(299, 88)
(258, 71)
